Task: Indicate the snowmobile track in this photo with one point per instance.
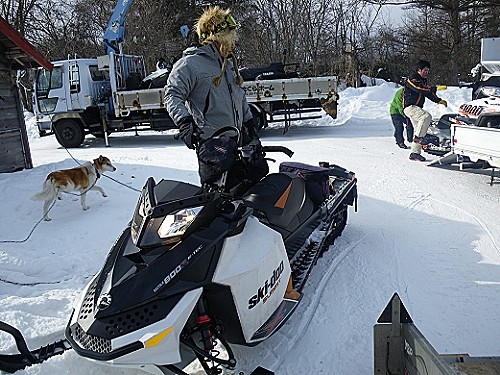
(307, 315)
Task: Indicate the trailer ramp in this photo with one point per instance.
(401, 349)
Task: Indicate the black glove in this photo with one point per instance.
(189, 132)
(251, 131)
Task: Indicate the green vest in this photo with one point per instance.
(396, 107)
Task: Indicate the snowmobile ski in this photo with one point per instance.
(12, 362)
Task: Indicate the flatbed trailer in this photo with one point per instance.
(474, 146)
(401, 349)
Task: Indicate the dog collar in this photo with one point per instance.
(96, 171)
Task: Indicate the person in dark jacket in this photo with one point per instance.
(416, 90)
(399, 120)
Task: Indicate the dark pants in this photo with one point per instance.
(399, 121)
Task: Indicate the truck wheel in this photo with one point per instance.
(259, 117)
(69, 133)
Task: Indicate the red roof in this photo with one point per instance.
(19, 51)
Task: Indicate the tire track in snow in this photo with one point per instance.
(415, 202)
(481, 223)
(311, 308)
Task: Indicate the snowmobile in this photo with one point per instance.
(480, 112)
(199, 269)
(272, 71)
(438, 137)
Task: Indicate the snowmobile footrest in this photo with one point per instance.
(276, 320)
(262, 371)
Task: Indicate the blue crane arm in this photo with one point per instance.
(115, 32)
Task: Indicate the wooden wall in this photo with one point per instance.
(14, 147)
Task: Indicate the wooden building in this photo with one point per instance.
(16, 53)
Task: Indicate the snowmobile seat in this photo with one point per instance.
(281, 199)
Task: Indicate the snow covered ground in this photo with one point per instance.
(430, 234)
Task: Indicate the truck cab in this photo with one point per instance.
(66, 100)
(97, 96)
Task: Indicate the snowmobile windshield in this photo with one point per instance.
(142, 210)
(490, 91)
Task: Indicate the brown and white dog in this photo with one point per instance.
(80, 179)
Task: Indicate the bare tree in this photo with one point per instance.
(344, 37)
(451, 24)
(17, 13)
(292, 31)
(153, 28)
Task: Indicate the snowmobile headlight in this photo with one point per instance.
(166, 229)
(174, 225)
(491, 90)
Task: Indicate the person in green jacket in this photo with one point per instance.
(399, 120)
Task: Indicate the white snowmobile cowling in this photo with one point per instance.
(255, 266)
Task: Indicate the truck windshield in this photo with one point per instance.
(98, 75)
(48, 80)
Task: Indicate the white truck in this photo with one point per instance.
(87, 96)
(475, 130)
(112, 93)
(479, 144)
(489, 83)
(475, 136)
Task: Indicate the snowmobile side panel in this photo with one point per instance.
(255, 266)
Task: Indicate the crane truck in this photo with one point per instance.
(112, 93)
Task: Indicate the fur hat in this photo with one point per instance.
(218, 25)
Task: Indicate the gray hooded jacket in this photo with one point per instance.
(190, 91)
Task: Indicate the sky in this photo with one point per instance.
(428, 233)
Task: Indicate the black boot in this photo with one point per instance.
(416, 157)
(402, 145)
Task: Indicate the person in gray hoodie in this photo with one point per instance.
(203, 91)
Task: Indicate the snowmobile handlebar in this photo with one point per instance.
(282, 149)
